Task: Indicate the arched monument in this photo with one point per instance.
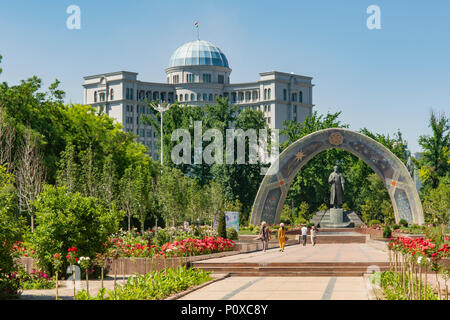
(273, 190)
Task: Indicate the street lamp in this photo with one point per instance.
(161, 108)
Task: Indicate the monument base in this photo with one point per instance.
(334, 218)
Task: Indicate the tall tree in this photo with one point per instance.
(30, 174)
(435, 161)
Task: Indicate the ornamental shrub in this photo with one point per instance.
(374, 222)
(404, 223)
(66, 220)
(232, 234)
(395, 227)
(221, 229)
(10, 231)
(387, 232)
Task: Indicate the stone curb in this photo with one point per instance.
(188, 291)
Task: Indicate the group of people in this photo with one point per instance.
(264, 235)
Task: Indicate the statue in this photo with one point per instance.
(337, 187)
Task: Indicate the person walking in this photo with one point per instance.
(282, 237)
(264, 235)
(313, 235)
(304, 234)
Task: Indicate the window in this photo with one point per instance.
(128, 108)
(95, 96)
(128, 94)
(265, 94)
(111, 94)
(295, 109)
(205, 97)
(220, 78)
(102, 96)
(192, 97)
(186, 97)
(199, 97)
(268, 94)
(268, 108)
(142, 133)
(206, 77)
(148, 95)
(294, 97)
(131, 94)
(137, 120)
(300, 97)
(284, 94)
(176, 78)
(210, 97)
(181, 97)
(131, 108)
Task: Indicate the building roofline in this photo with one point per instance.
(109, 74)
(283, 73)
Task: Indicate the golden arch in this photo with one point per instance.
(273, 190)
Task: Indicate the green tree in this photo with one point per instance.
(172, 195)
(436, 205)
(435, 160)
(67, 219)
(11, 228)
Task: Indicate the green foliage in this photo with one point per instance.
(221, 229)
(68, 220)
(345, 207)
(376, 200)
(11, 228)
(374, 222)
(391, 284)
(322, 207)
(232, 234)
(434, 163)
(395, 227)
(436, 205)
(387, 232)
(404, 223)
(35, 280)
(156, 285)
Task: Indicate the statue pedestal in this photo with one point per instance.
(336, 215)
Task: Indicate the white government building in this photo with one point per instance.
(197, 73)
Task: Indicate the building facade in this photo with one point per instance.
(197, 74)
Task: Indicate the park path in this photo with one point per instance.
(296, 288)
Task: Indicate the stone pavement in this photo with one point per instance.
(333, 252)
(295, 288)
(283, 288)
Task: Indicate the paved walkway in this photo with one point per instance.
(334, 252)
(283, 288)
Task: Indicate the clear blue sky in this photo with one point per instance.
(380, 79)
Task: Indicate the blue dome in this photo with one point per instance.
(196, 53)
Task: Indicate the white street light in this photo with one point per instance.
(162, 107)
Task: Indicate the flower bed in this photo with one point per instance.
(182, 248)
(410, 261)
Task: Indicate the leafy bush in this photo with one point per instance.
(346, 207)
(232, 234)
(36, 280)
(404, 223)
(155, 285)
(374, 222)
(221, 229)
(322, 207)
(395, 227)
(10, 231)
(66, 220)
(387, 232)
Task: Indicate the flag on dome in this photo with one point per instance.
(196, 24)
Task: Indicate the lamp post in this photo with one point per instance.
(162, 107)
